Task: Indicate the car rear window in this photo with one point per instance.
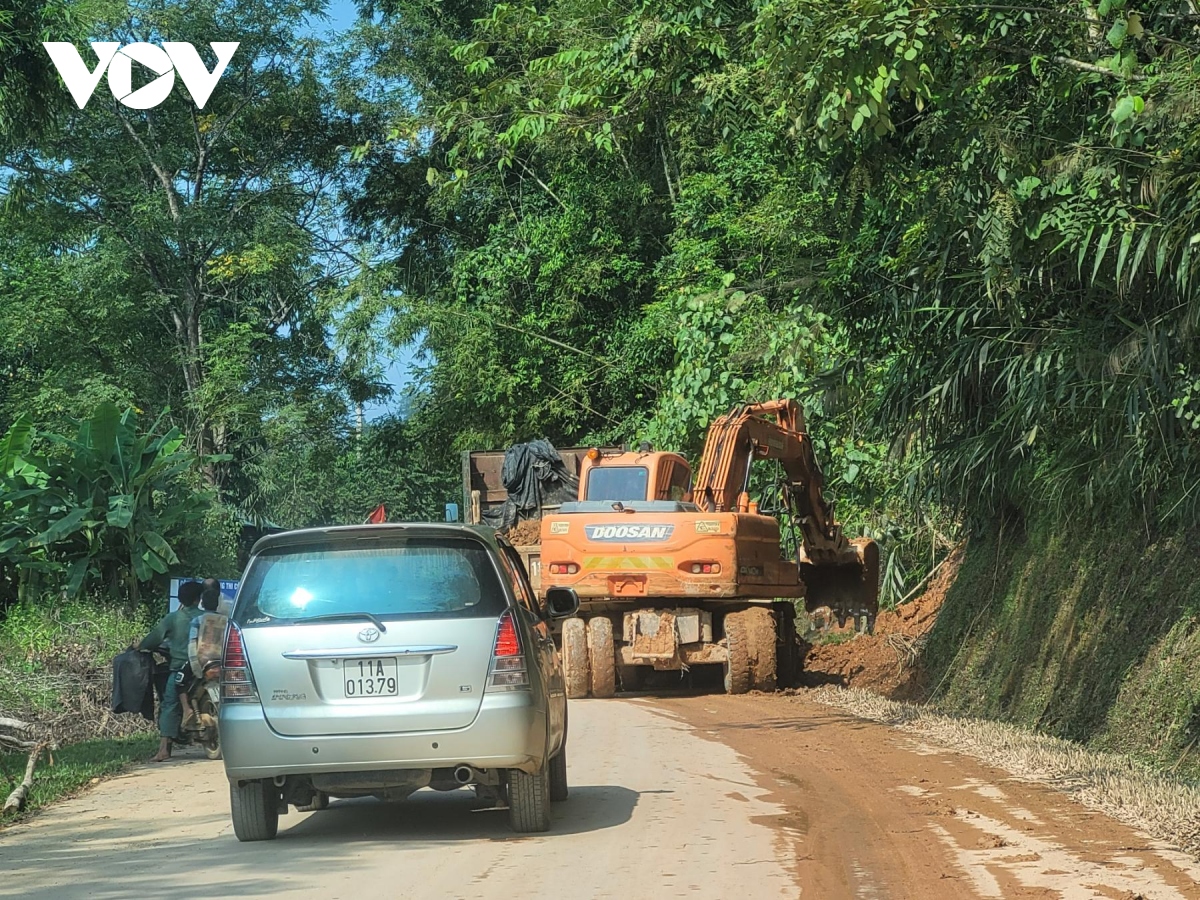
(426, 578)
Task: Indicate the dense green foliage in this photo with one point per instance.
(96, 507)
(188, 263)
(29, 92)
(960, 235)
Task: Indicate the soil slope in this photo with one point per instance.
(887, 661)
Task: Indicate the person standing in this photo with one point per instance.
(173, 630)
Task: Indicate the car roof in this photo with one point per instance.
(351, 533)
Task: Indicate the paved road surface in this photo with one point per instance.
(698, 797)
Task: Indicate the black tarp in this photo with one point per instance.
(535, 476)
(133, 684)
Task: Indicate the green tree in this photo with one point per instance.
(214, 233)
(96, 508)
(29, 89)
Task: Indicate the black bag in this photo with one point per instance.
(133, 684)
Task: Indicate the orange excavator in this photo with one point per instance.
(673, 571)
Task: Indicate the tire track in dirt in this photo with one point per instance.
(868, 811)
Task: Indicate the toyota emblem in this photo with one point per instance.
(369, 635)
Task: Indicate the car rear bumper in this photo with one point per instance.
(508, 733)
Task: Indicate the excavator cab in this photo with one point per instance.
(632, 476)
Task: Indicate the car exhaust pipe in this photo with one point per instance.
(464, 774)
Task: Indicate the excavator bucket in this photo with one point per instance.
(848, 585)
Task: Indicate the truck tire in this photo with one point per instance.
(737, 657)
(254, 808)
(763, 634)
(529, 800)
(558, 776)
(575, 658)
(602, 657)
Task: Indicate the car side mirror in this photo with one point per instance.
(561, 602)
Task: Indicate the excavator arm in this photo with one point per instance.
(838, 573)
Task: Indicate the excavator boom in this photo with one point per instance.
(838, 573)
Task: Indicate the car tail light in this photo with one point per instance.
(509, 672)
(563, 568)
(706, 568)
(237, 682)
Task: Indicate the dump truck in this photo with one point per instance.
(544, 478)
(675, 570)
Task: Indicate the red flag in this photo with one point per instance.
(378, 517)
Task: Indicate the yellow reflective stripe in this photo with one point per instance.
(628, 562)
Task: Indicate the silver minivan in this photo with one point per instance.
(377, 660)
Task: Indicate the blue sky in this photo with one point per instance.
(342, 14)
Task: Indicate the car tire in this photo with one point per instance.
(558, 776)
(319, 801)
(737, 655)
(254, 808)
(529, 801)
(602, 657)
(575, 658)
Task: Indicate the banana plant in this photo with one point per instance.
(21, 482)
(99, 504)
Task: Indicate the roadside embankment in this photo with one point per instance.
(1090, 634)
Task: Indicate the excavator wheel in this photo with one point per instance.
(575, 658)
(737, 662)
(750, 638)
(760, 623)
(602, 657)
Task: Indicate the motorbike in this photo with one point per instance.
(204, 695)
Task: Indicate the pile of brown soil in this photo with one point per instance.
(524, 533)
(888, 661)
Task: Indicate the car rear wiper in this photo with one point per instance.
(333, 617)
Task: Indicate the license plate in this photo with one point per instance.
(369, 678)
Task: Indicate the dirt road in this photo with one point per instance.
(704, 797)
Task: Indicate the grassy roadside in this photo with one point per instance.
(75, 767)
(56, 673)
